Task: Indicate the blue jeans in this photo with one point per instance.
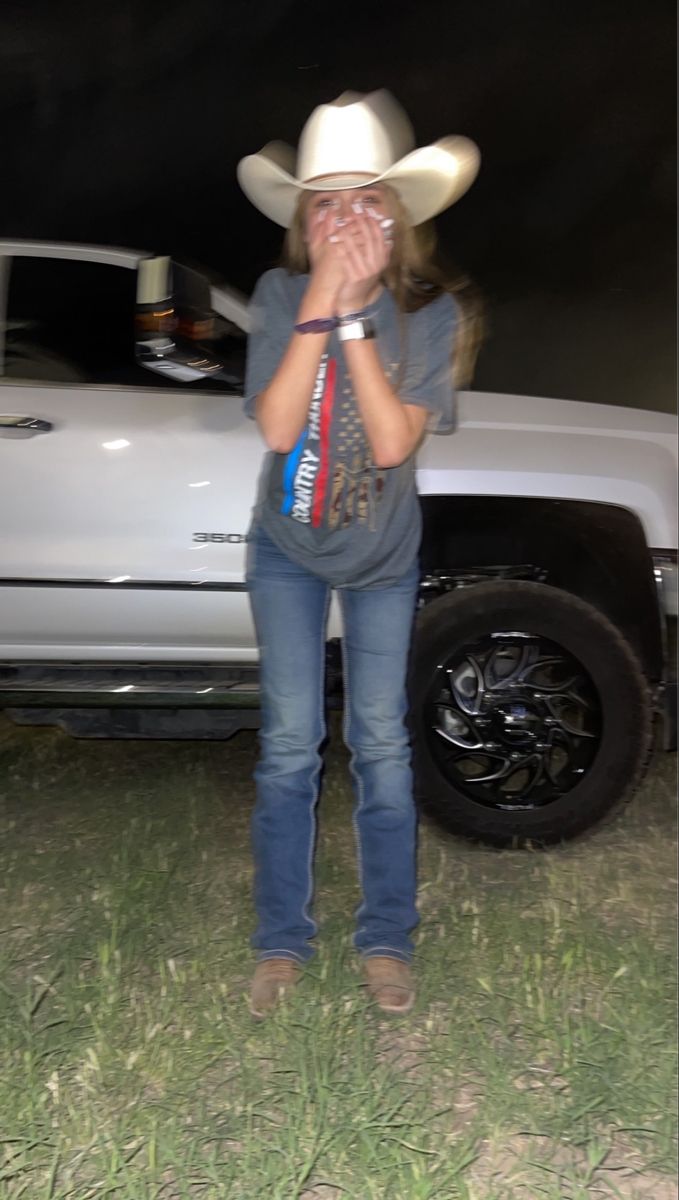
(290, 608)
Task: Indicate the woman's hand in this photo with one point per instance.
(348, 256)
(364, 247)
(328, 273)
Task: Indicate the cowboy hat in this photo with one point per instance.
(353, 142)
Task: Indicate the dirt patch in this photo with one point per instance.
(406, 1050)
(517, 1164)
(322, 1191)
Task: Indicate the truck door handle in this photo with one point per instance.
(11, 422)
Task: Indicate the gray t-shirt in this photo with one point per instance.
(325, 504)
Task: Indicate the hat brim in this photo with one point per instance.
(427, 180)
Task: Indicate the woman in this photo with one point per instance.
(348, 363)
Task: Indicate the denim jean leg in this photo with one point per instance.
(289, 607)
(377, 631)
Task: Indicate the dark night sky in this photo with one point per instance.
(123, 123)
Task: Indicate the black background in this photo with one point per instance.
(123, 123)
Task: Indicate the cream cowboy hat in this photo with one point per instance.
(354, 141)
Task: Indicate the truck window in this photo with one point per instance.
(73, 322)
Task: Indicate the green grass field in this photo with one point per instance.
(539, 1061)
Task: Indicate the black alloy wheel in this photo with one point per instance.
(531, 715)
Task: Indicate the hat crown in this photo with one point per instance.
(353, 135)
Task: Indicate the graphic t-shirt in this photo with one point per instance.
(325, 504)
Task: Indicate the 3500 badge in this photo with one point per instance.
(219, 537)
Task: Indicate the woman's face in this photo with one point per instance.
(344, 206)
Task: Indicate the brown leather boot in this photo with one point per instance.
(390, 983)
(273, 977)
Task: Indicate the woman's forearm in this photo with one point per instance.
(283, 407)
(393, 429)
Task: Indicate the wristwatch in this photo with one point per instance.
(356, 330)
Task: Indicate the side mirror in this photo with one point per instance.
(175, 323)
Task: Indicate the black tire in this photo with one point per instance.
(563, 751)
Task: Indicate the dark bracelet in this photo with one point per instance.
(327, 324)
(320, 325)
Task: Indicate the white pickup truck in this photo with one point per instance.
(549, 559)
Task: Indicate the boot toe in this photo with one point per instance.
(390, 984)
(273, 979)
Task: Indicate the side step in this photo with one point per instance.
(143, 700)
(168, 724)
(133, 685)
(136, 700)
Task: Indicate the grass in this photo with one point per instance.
(538, 1063)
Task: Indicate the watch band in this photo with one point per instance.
(356, 330)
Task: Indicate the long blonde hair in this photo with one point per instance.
(413, 277)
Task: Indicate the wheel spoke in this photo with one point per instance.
(506, 767)
(524, 661)
(564, 724)
(545, 664)
(467, 686)
(471, 742)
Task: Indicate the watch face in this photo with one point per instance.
(356, 330)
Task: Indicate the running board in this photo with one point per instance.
(134, 685)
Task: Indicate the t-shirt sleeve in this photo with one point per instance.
(428, 379)
(271, 322)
